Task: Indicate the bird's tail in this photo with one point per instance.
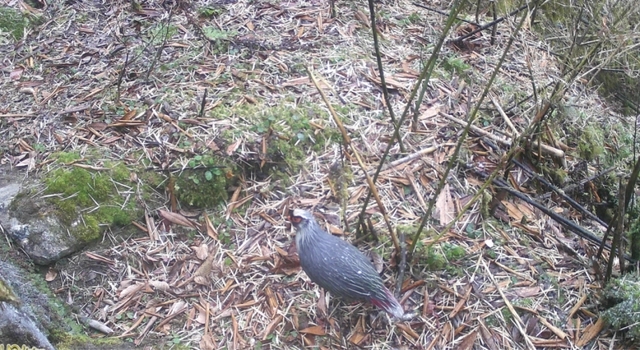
(389, 304)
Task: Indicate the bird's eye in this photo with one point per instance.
(295, 219)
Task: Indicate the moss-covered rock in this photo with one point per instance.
(84, 199)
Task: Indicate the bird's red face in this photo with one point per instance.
(294, 219)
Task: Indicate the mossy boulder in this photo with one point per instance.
(70, 212)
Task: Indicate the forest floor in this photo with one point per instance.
(514, 279)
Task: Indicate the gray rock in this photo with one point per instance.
(27, 314)
(17, 328)
(29, 221)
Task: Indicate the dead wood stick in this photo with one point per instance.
(545, 148)
(504, 116)
(406, 159)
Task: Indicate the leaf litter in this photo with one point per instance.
(237, 283)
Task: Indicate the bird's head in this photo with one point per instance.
(300, 219)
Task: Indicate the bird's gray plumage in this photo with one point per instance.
(339, 267)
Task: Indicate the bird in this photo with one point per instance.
(339, 267)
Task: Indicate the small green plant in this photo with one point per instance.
(455, 65)
(160, 33)
(220, 38)
(208, 12)
(204, 183)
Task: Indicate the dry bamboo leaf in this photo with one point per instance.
(51, 274)
(360, 16)
(461, 303)
(160, 285)
(201, 280)
(445, 210)
(211, 231)
(271, 326)
(335, 230)
(271, 300)
(468, 341)
(514, 212)
(133, 326)
(488, 338)
(315, 330)
(408, 332)
(527, 292)
(577, 306)
(357, 338)
(129, 115)
(557, 331)
(202, 251)
(201, 317)
(590, 332)
(131, 289)
(321, 304)
(176, 218)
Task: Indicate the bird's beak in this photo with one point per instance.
(290, 215)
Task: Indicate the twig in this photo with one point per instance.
(516, 317)
(402, 265)
(617, 235)
(627, 197)
(385, 91)
(203, 103)
(406, 159)
(423, 78)
(120, 78)
(454, 158)
(504, 116)
(580, 231)
(580, 184)
(161, 48)
(347, 141)
(492, 23)
(18, 115)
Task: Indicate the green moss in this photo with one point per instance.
(289, 133)
(591, 143)
(60, 324)
(73, 341)
(209, 11)
(13, 22)
(621, 297)
(66, 157)
(453, 252)
(434, 260)
(456, 66)
(80, 190)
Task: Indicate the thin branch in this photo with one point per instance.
(347, 141)
(385, 91)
